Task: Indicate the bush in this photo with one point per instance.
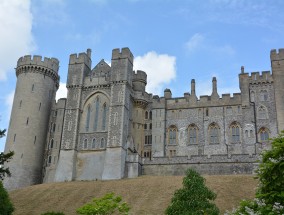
(270, 193)
(109, 204)
(194, 198)
(6, 207)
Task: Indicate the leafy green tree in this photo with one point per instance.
(270, 193)
(6, 207)
(4, 158)
(194, 198)
(109, 204)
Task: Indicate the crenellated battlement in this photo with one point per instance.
(263, 77)
(81, 58)
(124, 53)
(140, 76)
(277, 56)
(36, 60)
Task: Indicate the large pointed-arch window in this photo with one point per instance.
(263, 134)
(172, 135)
(235, 132)
(192, 132)
(213, 133)
(97, 104)
(262, 112)
(88, 117)
(104, 116)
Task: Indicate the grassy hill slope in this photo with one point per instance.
(146, 194)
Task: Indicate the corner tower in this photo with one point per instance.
(37, 83)
(118, 131)
(277, 66)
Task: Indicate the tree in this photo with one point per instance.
(6, 207)
(4, 158)
(109, 204)
(270, 192)
(194, 198)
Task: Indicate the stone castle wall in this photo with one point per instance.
(109, 127)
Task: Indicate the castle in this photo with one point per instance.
(109, 127)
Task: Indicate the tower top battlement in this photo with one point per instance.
(124, 53)
(140, 76)
(84, 57)
(277, 56)
(36, 60)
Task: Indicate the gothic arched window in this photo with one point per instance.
(85, 144)
(213, 133)
(263, 134)
(88, 117)
(192, 132)
(172, 133)
(263, 95)
(102, 143)
(97, 113)
(262, 112)
(94, 143)
(146, 114)
(51, 144)
(104, 116)
(235, 132)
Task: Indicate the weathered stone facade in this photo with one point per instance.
(109, 127)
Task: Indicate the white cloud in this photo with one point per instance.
(16, 33)
(194, 42)
(62, 91)
(160, 69)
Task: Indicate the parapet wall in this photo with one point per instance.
(277, 56)
(50, 63)
(214, 165)
(80, 58)
(124, 53)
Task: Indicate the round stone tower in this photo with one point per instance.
(37, 83)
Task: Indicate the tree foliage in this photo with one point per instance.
(194, 198)
(6, 207)
(270, 192)
(109, 204)
(3, 159)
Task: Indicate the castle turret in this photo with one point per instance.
(277, 65)
(37, 83)
(139, 81)
(214, 94)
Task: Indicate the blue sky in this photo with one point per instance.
(173, 41)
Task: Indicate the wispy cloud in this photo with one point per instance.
(194, 42)
(16, 37)
(199, 42)
(160, 69)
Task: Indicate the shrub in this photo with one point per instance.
(194, 198)
(270, 193)
(6, 207)
(109, 204)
